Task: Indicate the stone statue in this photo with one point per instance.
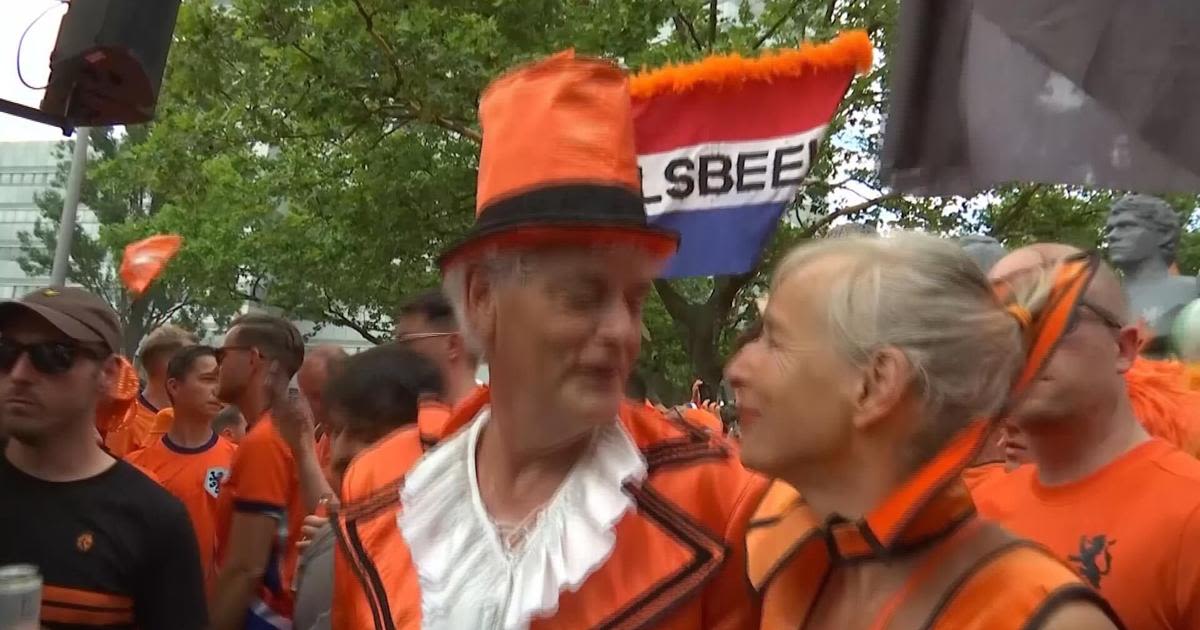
(984, 250)
(1142, 235)
(851, 229)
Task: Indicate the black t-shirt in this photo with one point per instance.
(115, 550)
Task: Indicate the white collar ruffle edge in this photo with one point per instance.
(458, 554)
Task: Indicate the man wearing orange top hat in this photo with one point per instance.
(868, 391)
(547, 501)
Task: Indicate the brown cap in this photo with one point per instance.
(78, 314)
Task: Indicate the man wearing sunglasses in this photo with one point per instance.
(114, 549)
(426, 325)
(261, 353)
(1121, 507)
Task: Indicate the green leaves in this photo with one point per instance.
(325, 151)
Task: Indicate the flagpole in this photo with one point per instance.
(66, 224)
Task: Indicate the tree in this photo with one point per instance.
(121, 202)
(328, 149)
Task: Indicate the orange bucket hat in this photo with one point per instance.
(558, 164)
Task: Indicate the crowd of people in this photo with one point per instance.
(393, 491)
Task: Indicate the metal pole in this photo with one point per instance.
(66, 226)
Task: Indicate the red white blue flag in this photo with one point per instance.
(723, 145)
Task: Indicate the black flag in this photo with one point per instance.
(1095, 92)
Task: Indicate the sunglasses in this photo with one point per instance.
(428, 335)
(1106, 317)
(221, 353)
(47, 357)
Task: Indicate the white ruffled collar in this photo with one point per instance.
(468, 579)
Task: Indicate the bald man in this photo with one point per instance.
(319, 362)
(1123, 508)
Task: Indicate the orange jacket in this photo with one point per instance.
(960, 573)
(678, 561)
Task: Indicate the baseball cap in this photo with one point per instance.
(76, 313)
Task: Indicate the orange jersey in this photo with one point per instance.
(1132, 529)
(263, 480)
(194, 476)
(133, 432)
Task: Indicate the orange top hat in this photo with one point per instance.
(558, 164)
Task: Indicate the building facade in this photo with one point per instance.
(26, 170)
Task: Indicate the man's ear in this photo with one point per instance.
(109, 375)
(456, 348)
(173, 386)
(885, 381)
(480, 303)
(1129, 342)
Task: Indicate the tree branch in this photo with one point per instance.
(342, 320)
(712, 24)
(684, 24)
(677, 306)
(829, 12)
(775, 27)
(381, 42)
(691, 29)
(459, 128)
(726, 291)
(858, 207)
(1009, 214)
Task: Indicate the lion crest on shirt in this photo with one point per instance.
(213, 479)
(1094, 560)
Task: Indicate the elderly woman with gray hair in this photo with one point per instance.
(879, 368)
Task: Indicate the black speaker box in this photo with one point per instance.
(108, 61)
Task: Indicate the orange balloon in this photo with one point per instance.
(146, 259)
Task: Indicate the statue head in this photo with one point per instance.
(1141, 227)
(984, 250)
(851, 229)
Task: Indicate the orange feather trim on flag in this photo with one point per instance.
(848, 49)
(1166, 402)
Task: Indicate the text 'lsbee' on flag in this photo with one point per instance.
(724, 144)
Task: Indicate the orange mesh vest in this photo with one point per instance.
(964, 574)
(678, 561)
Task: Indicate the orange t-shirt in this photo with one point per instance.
(263, 480)
(1131, 529)
(134, 431)
(194, 476)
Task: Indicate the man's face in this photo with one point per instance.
(417, 333)
(312, 379)
(1084, 374)
(567, 330)
(793, 388)
(35, 406)
(1130, 239)
(196, 394)
(239, 365)
(236, 432)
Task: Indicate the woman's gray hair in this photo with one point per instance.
(924, 296)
